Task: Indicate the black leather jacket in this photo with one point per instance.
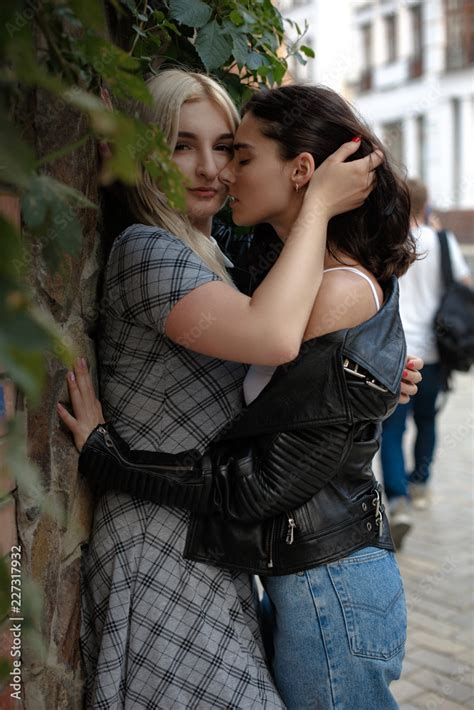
(289, 484)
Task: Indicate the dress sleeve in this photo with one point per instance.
(150, 271)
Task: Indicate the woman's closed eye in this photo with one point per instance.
(244, 162)
(225, 148)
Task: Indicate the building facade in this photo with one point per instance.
(408, 67)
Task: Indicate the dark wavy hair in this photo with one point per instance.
(316, 120)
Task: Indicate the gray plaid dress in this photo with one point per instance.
(158, 631)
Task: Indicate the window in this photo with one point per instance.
(391, 37)
(459, 33)
(416, 54)
(457, 149)
(365, 83)
(366, 35)
(421, 140)
(393, 139)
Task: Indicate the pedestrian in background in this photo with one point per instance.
(421, 290)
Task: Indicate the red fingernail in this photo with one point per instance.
(71, 376)
(405, 373)
(411, 365)
(357, 139)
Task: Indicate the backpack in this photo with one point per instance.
(454, 320)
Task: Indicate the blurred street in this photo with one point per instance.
(437, 567)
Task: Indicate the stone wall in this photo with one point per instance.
(51, 543)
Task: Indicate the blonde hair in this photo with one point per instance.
(170, 89)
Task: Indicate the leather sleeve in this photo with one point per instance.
(249, 478)
(266, 477)
(248, 481)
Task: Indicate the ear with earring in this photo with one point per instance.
(297, 187)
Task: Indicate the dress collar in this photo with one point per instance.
(227, 261)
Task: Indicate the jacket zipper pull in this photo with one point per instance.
(290, 535)
(106, 436)
(377, 503)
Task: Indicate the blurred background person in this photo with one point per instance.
(421, 290)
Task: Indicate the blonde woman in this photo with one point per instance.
(159, 631)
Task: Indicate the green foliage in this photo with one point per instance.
(62, 47)
(193, 14)
(212, 45)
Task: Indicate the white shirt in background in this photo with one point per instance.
(421, 289)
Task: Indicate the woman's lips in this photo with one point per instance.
(204, 191)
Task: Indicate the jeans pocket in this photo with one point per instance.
(370, 591)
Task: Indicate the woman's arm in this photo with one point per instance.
(87, 410)
(249, 329)
(239, 481)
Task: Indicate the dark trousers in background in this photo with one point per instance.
(423, 408)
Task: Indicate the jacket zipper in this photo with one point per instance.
(111, 445)
(270, 555)
(290, 534)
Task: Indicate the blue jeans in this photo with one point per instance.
(422, 406)
(339, 633)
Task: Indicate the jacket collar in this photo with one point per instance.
(310, 389)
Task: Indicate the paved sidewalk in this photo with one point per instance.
(437, 567)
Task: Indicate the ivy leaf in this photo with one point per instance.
(308, 51)
(236, 18)
(26, 368)
(139, 31)
(34, 208)
(301, 60)
(16, 157)
(213, 47)
(89, 12)
(240, 48)
(279, 71)
(192, 13)
(11, 262)
(65, 234)
(62, 191)
(118, 68)
(254, 61)
(132, 6)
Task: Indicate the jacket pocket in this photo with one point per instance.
(370, 591)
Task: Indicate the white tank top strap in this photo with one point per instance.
(360, 273)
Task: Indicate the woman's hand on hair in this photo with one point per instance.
(337, 186)
(411, 378)
(85, 405)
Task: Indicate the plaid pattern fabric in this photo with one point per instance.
(160, 395)
(158, 631)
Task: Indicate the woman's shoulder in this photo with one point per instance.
(345, 299)
(144, 234)
(150, 245)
